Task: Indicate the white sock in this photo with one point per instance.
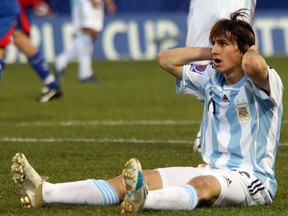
(172, 198)
(85, 51)
(91, 192)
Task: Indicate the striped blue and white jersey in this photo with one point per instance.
(241, 123)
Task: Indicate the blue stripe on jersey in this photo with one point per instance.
(107, 192)
(216, 153)
(233, 145)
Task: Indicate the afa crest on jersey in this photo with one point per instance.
(243, 111)
(198, 68)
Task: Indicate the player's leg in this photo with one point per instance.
(91, 25)
(85, 51)
(4, 42)
(2, 63)
(87, 28)
(35, 57)
(96, 192)
(208, 188)
(176, 194)
(86, 192)
(81, 50)
(217, 189)
(70, 53)
(241, 188)
(165, 191)
(63, 59)
(172, 198)
(36, 191)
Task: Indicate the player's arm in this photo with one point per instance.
(96, 3)
(111, 6)
(173, 60)
(255, 67)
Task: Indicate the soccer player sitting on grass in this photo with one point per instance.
(241, 130)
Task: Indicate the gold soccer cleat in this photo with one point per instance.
(28, 180)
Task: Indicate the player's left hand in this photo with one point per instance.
(253, 48)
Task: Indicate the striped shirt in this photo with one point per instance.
(241, 123)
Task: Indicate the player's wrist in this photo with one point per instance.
(108, 1)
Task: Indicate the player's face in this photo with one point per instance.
(227, 57)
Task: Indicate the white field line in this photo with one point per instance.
(98, 140)
(92, 140)
(96, 123)
(105, 123)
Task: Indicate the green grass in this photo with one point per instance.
(95, 128)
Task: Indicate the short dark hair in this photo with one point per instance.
(235, 29)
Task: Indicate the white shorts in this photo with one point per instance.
(85, 15)
(204, 13)
(238, 187)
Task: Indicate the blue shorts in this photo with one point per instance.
(8, 13)
(24, 19)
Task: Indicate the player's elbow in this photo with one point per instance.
(164, 61)
(252, 66)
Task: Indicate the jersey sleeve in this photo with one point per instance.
(193, 81)
(276, 88)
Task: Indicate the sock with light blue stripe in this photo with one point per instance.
(108, 194)
(192, 195)
(87, 192)
(172, 198)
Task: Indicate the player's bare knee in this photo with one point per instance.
(208, 189)
(152, 179)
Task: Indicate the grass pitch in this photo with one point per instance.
(95, 128)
